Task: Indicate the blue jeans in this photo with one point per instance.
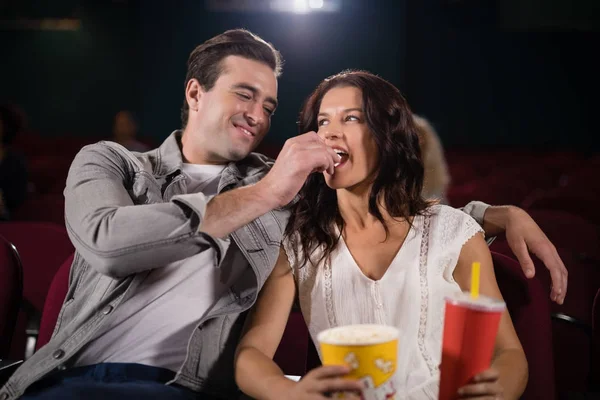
(110, 381)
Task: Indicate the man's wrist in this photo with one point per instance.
(265, 193)
(476, 209)
(496, 219)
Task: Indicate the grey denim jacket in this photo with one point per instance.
(127, 213)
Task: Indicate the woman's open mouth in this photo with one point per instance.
(344, 155)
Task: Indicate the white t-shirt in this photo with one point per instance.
(202, 178)
(410, 295)
(154, 326)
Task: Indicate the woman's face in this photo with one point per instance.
(342, 124)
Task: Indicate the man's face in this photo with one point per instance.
(235, 115)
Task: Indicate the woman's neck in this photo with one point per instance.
(353, 206)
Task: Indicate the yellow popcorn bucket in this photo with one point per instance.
(369, 350)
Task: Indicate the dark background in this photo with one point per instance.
(510, 85)
(487, 73)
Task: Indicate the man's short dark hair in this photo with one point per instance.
(205, 61)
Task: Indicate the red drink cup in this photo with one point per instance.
(470, 329)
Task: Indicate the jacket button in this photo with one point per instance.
(107, 310)
(58, 354)
(4, 396)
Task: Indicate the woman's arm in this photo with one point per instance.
(256, 373)
(510, 365)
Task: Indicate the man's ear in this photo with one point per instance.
(193, 92)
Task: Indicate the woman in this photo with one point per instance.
(363, 246)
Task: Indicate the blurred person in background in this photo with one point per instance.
(437, 177)
(125, 131)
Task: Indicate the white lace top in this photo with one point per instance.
(410, 296)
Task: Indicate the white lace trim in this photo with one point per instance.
(289, 252)
(329, 292)
(471, 228)
(424, 295)
(456, 225)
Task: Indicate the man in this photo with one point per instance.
(173, 245)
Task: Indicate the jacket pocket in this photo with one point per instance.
(270, 228)
(145, 189)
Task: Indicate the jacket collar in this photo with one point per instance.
(169, 160)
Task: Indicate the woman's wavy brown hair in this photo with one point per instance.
(399, 181)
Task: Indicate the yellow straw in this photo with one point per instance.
(475, 280)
